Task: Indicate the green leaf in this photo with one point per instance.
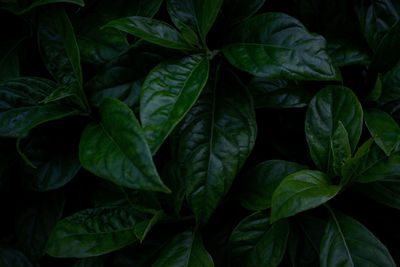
(275, 45)
(94, 232)
(383, 128)
(257, 242)
(184, 250)
(166, 97)
(9, 59)
(151, 30)
(99, 46)
(57, 43)
(347, 242)
(304, 241)
(385, 191)
(56, 159)
(376, 19)
(20, 10)
(34, 223)
(329, 106)
(12, 257)
(115, 149)
(300, 191)
(376, 91)
(235, 11)
(197, 15)
(20, 110)
(379, 168)
(213, 141)
(391, 84)
(340, 145)
(261, 181)
(143, 228)
(347, 53)
(269, 93)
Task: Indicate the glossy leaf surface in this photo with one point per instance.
(261, 181)
(329, 106)
(168, 93)
(340, 146)
(116, 149)
(301, 191)
(257, 242)
(184, 250)
(213, 141)
(274, 45)
(151, 30)
(383, 128)
(347, 242)
(94, 232)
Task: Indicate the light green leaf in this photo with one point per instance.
(166, 97)
(300, 191)
(329, 106)
(347, 242)
(260, 182)
(275, 45)
(151, 30)
(184, 250)
(257, 242)
(115, 149)
(94, 232)
(383, 128)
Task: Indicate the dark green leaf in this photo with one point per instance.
(275, 45)
(184, 250)
(376, 91)
(260, 183)
(9, 60)
(304, 241)
(99, 46)
(347, 53)
(237, 10)
(383, 128)
(151, 30)
(198, 16)
(166, 97)
(385, 191)
(347, 242)
(59, 50)
(257, 242)
(18, 9)
(20, 110)
(213, 141)
(116, 149)
(300, 191)
(35, 222)
(94, 232)
(278, 94)
(391, 84)
(340, 145)
(329, 106)
(14, 258)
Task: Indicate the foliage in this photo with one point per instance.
(200, 133)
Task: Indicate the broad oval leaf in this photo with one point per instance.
(184, 250)
(347, 242)
(275, 45)
(20, 108)
(383, 128)
(329, 106)
(196, 15)
(300, 191)
(257, 242)
(151, 30)
(260, 182)
(213, 141)
(391, 84)
(116, 149)
(94, 232)
(269, 93)
(348, 53)
(168, 93)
